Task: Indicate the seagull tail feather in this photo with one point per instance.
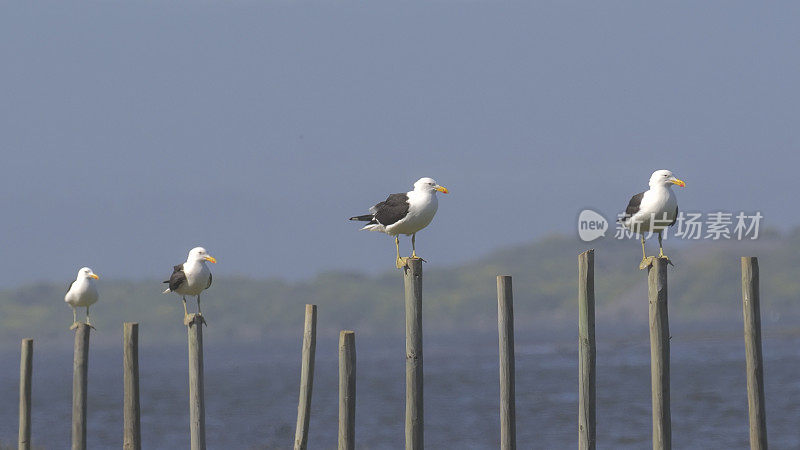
(166, 291)
(364, 218)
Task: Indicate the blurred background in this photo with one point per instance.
(132, 132)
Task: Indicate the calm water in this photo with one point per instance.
(251, 394)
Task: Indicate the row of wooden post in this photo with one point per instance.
(132, 437)
(414, 423)
(660, 353)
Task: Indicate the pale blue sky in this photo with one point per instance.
(130, 133)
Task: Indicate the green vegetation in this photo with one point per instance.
(705, 285)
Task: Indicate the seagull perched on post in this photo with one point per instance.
(653, 210)
(82, 292)
(404, 214)
(191, 278)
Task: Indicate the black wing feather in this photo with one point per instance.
(676, 217)
(633, 206)
(70, 285)
(391, 210)
(209, 281)
(177, 278)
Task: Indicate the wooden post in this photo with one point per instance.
(752, 345)
(197, 412)
(505, 328)
(25, 372)
(659, 354)
(412, 276)
(587, 353)
(80, 369)
(132, 436)
(347, 390)
(306, 378)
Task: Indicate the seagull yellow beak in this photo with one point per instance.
(441, 189)
(210, 259)
(678, 182)
(94, 275)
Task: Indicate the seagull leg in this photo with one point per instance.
(645, 260)
(644, 255)
(199, 315)
(188, 319)
(88, 320)
(400, 262)
(74, 319)
(414, 246)
(661, 251)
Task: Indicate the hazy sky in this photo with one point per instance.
(130, 133)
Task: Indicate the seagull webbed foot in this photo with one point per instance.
(648, 261)
(73, 326)
(401, 262)
(662, 255)
(190, 319)
(414, 256)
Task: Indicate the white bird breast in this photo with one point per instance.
(197, 274)
(82, 293)
(422, 207)
(657, 203)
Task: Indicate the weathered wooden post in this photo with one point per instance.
(505, 328)
(306, 378)
(197, 411)
(752, 345)
(132, 435)
(412, 276)
(659, 353)
(347, 390)
(80, 379)
(587, 353)
(25, 372)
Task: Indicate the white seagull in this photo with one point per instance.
(191, 278)
(653, 210)
(405, 214)
(82, 292)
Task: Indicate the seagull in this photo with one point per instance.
(404, 214)
(82, 292)
(191, 278)
(653, 210)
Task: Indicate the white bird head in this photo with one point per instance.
(429, 185)
(665, 178)
(86, 272)
(200, 254)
